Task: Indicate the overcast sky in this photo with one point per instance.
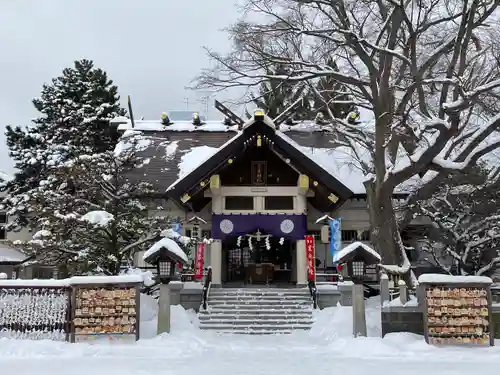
(150, 48)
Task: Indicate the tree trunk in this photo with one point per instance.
(385, 234)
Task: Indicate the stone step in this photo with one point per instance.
(257, 311)
(236, 316)
(292, 297)
(245, 306)
(269, 301)
(282, 327)
(258, 296)
(256, 322)
(290, 312)
(262, 306)
(266, 331)
(258, 293)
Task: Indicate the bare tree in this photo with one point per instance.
(466, 218)
(423, 73)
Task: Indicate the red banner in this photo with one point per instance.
(200, 261)
(310, 256)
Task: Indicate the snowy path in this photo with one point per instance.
(327, 349)
(208, 354)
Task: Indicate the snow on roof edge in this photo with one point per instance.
(435, 278)
(75, 280)
(352, 247)
(169, 244)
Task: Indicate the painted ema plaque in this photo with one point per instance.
(457, 313)
(105, 313)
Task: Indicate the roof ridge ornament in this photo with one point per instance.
(259, 116)
(288, 113)
(229, 115)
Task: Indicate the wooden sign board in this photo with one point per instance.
(457, 314)
(107, 312)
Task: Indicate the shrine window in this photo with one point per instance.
(238, 203)
(349, 235)
(279, 203)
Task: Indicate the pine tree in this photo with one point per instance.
(275, 96)
(331, 90)
(89, 214)
(75, 109)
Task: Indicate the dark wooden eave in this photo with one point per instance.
(198, 179)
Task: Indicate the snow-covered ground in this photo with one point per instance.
(327, 349)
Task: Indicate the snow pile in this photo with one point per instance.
(149, 317)
(396, 302)
(336, 322)
(147, 276)
(183, 322)
(170, 245)
(328, 347)
(98, 218)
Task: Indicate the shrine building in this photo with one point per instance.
(257, 188)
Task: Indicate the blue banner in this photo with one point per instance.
(177, 227)
(335, 238)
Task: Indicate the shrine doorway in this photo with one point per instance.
(257, 259)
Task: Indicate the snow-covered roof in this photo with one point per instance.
(8, 254)
(196, 157)
(352, 247)
(431, 278)
(210, 126)
(339, 162)
(157, 126)
(170, 154)
(168, 244)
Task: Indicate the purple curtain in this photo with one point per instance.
(289, 226)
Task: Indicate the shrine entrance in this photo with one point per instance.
(257, 259)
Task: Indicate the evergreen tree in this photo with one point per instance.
(275, 96)
(89, 214)
(331, 90)
(75, 109)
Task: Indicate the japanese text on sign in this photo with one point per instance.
(200, 260)
(310, 255)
